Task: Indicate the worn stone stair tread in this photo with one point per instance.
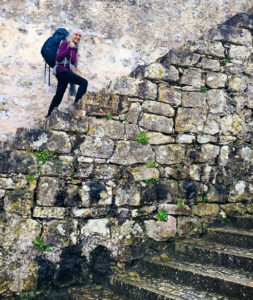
(204, 270)
(232, 230)
(218, 247)
(163, 289)
(245, 221)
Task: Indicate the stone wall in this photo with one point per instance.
(163, 153)
(119, 35)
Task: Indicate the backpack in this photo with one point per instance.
(50, 48)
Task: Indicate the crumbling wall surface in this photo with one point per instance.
(119, 35)
(164, 152)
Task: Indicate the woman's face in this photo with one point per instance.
(76, 37)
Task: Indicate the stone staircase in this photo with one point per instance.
(217, 266)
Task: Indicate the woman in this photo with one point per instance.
(66, 62)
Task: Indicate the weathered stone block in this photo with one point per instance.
(180, 58)
(157, 71)
(106, 128)
(216, 80)
(241, 53)
(249, 208)
(142, 173)
(161, 230)
(208, 152)
(12, 183)
(107, 171)
(81, 212)
(134, 112)
(96, 147)
(203, 209)
(134, 87)
(205, 47)
(49, 212)
(131, 131)
(171, 173)
(95, 193)
(169, 95)
(238, 192)
(216, 192)
(210, 64)
(128, 194)
(234, 209)
(73, 121)
(21, 232)
(157, 123)
(60, 233)
(39, 139)
(188, 226)
(194, 99)
(190, 119)
(231, 125)
(185, 138)
(194, 172)
(216, 100)
(229, 34)
(158, 108)
(236, 83)
(84, 169)
(48, 189)
(17, 162)
(173, 209)
(212, 125)
(130, 152)
(225, 140)
(170, 154)
(19, 202)
(61, 167)
(223, 158)
(203, 139)
(157, 138)
(97, 227)
(192, 77)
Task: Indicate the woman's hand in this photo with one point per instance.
(72, 45)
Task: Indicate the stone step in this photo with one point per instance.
(141, 287)
(204, 252)
(231, 236)
(245, 221)
(203, 277)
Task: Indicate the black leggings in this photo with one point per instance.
(64, 78)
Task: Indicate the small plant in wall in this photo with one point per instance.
(109, 116)
(150, 164)
(204, 89)
(142, 138)
(205, 199)
(162, 215)
(180, 202)
(39, 244)
(151, 181)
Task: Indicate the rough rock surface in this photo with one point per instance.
(111, 46)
